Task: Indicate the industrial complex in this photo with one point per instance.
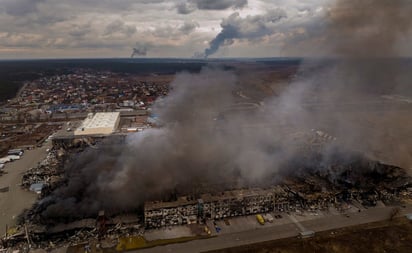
(311, 192)
(360, 184)
(77, 164)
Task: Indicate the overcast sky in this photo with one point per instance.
(159, 28)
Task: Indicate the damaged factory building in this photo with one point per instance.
(224, 205)
(311, 192)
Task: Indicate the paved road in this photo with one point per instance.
(13, 202)
(277, 232)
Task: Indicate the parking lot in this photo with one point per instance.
(250, 231)
(14, 200)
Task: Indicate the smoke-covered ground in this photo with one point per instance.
(201, 143)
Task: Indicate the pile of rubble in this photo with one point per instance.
(103, 230)
(356, 180)
(48, 173)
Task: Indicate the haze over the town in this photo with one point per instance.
(210, 126)
(160, 28)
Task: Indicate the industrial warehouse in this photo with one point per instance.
(101, 123)
(224, 205)
(311, 193)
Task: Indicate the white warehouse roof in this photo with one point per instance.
(100, 123)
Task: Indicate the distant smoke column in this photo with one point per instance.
(226, 34)
(250, 27)
(139, 50)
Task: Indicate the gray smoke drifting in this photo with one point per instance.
(140, 50)
(366, 37)
(369, 28)
(345, 94)
(250, 28)
(204, 142)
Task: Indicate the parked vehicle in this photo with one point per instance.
(14, 157)
(5, 159)
(268, 217)
(16, 151)
(260, 219)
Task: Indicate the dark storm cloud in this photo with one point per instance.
(250, 27)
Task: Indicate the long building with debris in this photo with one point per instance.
(223, 205)
(309, 193)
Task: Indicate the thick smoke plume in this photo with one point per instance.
(366, 37)
(197, 146)
(250, 28)
(365, 28)
(204, 142)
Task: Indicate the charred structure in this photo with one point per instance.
(309, 186)
(315, 190)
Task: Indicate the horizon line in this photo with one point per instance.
(197, 59)
(152, 58)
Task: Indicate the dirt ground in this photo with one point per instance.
(386, 236)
